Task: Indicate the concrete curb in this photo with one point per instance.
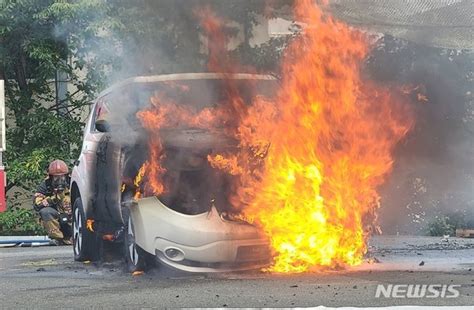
(23, 241)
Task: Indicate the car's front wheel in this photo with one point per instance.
(85, 243)
(135, 258)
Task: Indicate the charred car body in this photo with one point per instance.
(186, 227)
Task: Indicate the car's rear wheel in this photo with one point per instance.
(85, 243)
(136, 258)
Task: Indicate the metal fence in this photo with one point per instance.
(440, 23)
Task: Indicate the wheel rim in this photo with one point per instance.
(77, 231)
(132, 249)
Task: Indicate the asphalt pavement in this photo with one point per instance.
(47, 277)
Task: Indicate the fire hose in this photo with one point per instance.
(24, 241)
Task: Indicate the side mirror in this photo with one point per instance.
(102, 125)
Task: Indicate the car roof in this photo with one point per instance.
(184, 77)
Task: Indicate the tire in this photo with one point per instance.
(108, 182)
(85, 243)
(136, 258)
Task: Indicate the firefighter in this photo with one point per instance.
(53, 203)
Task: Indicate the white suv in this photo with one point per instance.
(181, 228)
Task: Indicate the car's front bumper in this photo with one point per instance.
(197, 243)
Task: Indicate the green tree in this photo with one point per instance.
(265, 57)
(157, 36)
(38, 39)
(165, 36)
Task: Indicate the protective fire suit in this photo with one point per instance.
(54, 208)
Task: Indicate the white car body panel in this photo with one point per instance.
(204, 238)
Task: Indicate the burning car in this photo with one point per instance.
(149, 184)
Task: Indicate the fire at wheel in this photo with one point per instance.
(85, 243)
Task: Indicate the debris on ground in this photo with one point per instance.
(373, 260)
(45, 262)
(450, 244)
(137, 273)
(422, 263)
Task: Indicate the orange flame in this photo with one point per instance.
(138, 180)
(137, 195)
(308, 164)
(90, 225)
(163, 114)
(229, 165)
(330, 144)
(108, 237)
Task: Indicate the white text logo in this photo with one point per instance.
(417, 291)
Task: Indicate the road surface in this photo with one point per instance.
(48, 277)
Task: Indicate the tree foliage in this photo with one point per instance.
(20, 221)
(165, 36)
(38, 39)
(93, 43)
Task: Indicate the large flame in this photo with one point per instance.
(327, 143)
(309, 162)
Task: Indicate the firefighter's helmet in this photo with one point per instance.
(58, 167)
